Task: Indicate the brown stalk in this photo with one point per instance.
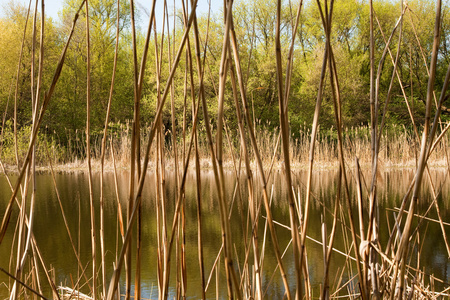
(400, 84)
(88, 154)
(164, 253)
(23, 247)
(181, 274)
(314, 130)
(160, 185)
(282, 104)
(36, 251)
(222, 205)
(372, 233)
(117, 270)
(197, 157)
(135, 149)
(342, 163)
(47, 98)
(258, 161)
(426, 137)
(64, 217)
(199, 213)
(23, 284)
(16, 93)
(325, 291)
(250, 182)
(133, 152)
(337, 104)
(226, 231)
(179, 199)
(290, 58)
(102, 156)
(138, 92)
(116, 187)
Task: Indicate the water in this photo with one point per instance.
(58, 254)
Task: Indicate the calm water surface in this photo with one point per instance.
(52, 237)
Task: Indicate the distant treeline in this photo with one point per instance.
(254, 24)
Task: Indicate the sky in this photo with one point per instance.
(52, 7)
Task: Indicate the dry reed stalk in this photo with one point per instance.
(133, 153)
(138, 91)
(197, 156)
(251, 132)
(180, 198)
(88, 155)
(326, 20)
(47, 98)
(311, 158)
(188, 66)
(372, 233)
(64, 217)
(325, 293)
(405, 97)
(138, 198)
(159, 178)
(199, 215)
(231, 276)
(427, 137)
(116, 188)
(102, 156)
(23, 246)
(252, 203)
(164, 258)
(9, 206)
(180, 257)
(16, 150)
(217, 159)
(282, 103)
(374, 124)
(23, 284)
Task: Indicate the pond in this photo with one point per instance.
(58, 254)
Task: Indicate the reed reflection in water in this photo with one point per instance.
(54, 243)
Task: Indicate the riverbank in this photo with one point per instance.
(206, 164)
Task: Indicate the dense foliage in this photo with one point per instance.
(255, 28)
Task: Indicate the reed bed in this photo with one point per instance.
(399, 149)
(377, 270)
